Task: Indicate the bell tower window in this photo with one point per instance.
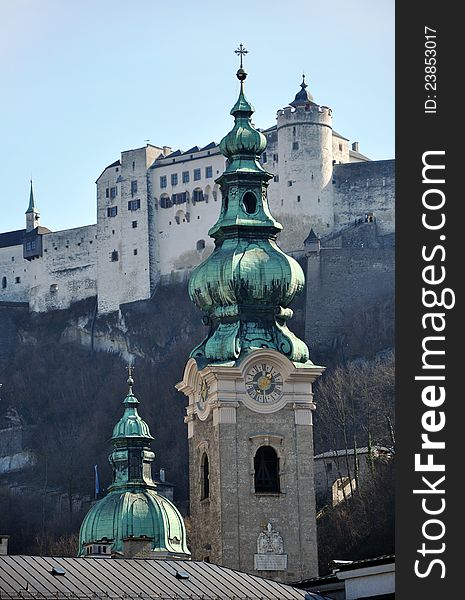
(250, 203)
(266, 466)
(205, 474)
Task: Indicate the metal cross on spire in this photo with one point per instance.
(241, 51)
(130, 370)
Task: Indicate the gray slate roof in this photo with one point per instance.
(31, 577)
(12, 238)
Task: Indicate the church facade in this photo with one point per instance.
(155, 207)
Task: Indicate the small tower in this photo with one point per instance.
(32, 214)
(305, 149)
(133, 519)
(249, 384)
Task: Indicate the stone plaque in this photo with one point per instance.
(270, 562)
(270, 551)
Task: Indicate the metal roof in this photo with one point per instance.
(37, 577)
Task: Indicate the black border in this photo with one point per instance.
(416, 133)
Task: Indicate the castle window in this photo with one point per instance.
(185, 176)
(293, 131)
(249, 202)
(298, 198)
(289, 184)
(276, 178)
(200, 245)
(295, 145)
(112, 211)
(133, 187)
(17, 279)
(197, 195)
(197, 174)
(205, 475)
(134, 204)
(134, 224)
(114, 256)
(266, 466)
(4, 283)
(208, 172)
(163, 182)
(113, 192)
(54, 288)
(165, 202)
(340, 147)
(133, 165)
(107, 193)
(264, 157)
(275, 158)
(179, 198)
(174, 179)
(135, 251)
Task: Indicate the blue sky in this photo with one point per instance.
(82, 80)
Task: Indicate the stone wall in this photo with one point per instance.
(343, 285)
(365, 187)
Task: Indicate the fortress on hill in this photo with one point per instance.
(155, 207)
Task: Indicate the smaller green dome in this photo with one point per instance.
(131, 425)
(136, 513)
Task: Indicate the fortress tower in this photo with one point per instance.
(305, 166)
(249, 384)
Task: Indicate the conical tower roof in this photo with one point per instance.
(303, 96)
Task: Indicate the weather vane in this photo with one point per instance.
(241, 51)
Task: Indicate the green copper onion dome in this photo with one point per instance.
(133, 508)
(245, 286)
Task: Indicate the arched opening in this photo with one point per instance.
(205, 476)
(180, 217)
(3, 283)
(266, 466)
(250, 203)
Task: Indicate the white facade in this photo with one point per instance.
(155, 207)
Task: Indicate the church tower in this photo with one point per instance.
(249, 383)
(32, 214)
(133, 520)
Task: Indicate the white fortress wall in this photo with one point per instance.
(66, 272)
(187, 203)
(14, 277)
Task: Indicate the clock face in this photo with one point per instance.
(202, 394)
(264, 383)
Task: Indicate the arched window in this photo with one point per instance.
(3, 283)
(205, 476)
(250, 203)
(266, 466)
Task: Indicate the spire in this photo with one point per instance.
(303, 97)
(245, 286)
(31, 207)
